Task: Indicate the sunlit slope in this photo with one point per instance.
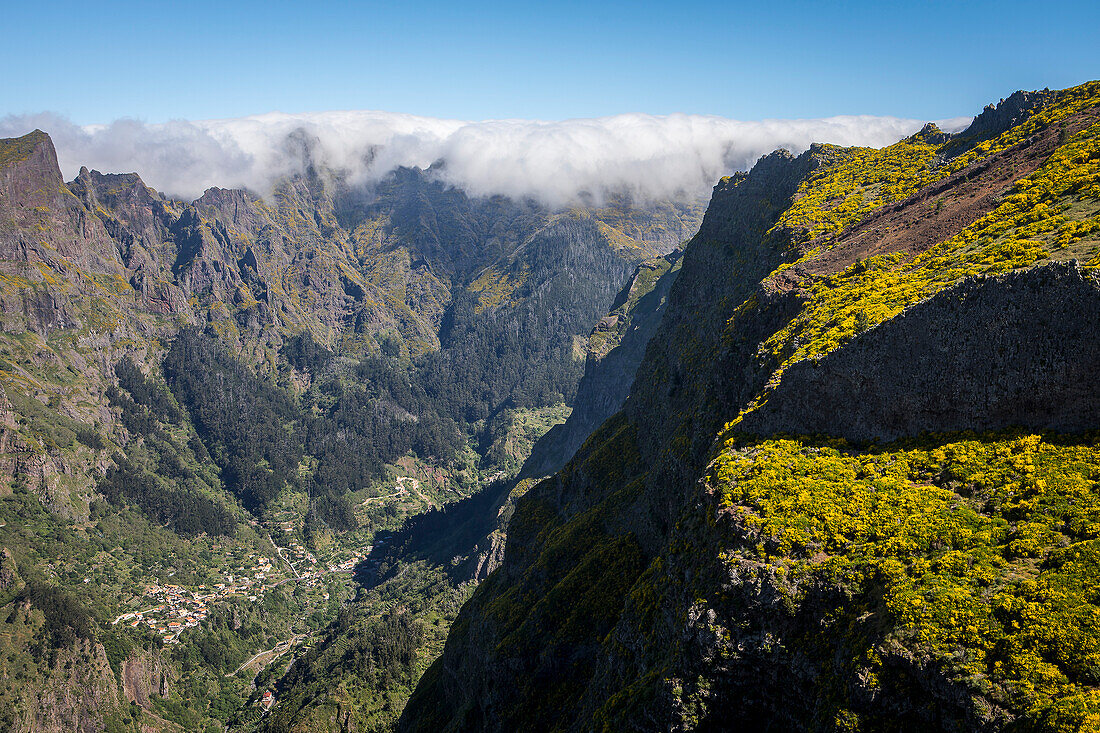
(682, 573)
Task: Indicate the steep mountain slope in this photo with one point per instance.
(686, 570)
(104, 267)
(180, 383)
(360, 674)
(416, 582)
(614, 350)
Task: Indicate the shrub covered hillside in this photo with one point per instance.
(856, 484)
(965, 560)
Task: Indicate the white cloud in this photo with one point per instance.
(653, 156)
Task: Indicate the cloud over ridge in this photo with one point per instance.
(654, 157)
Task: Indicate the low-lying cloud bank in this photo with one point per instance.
(654, 157)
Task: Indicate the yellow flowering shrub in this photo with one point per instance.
(1048, 214)
(988, 548)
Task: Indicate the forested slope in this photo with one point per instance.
(194, 391)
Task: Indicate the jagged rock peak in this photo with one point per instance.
(995, 119)
(17, 149)
(218, 197)
(931, 133)
(92, 187)
(774, 178)
(28, 158)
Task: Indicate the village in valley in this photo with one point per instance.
(169, 610)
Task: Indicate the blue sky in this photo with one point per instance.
(96, 62)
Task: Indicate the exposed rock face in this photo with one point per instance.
(44, 230)
(319, 255)
(1020, 350)
(691, 378)
(10, 582)
(40, 220)
(136, 217)
(628, 600)
(145, 675)
(56, 706)
(995, 119)
(615, 349)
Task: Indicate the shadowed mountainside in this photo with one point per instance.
(677, 574)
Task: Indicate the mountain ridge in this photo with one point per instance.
(192, 388)
(320, 323)
(626, 601)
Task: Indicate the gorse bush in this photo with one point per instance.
(986, 548)
(1041, 215)
(863, 179)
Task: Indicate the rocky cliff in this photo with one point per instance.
(987, 354)
(679, 574)
(614, 350)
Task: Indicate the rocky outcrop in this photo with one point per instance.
(996, 118)
(633, 597)
(10, 582)
(47, 240)
(40, 219)
(137, 218)
(146, 675)
(1020, 350)
(83, 668)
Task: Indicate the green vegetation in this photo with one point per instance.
(53, 430)
(162, 474)
(514, 432)
(371, 657)
(246, 423)
(16, 149)
(165, 509)
(604, 339)
(520, 357)
(494, 287)
(66, 619)
(1053, 213)
(981, 552)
